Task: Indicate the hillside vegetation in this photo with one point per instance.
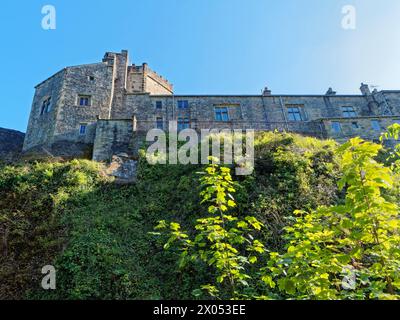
(11, 142)
(99, 235)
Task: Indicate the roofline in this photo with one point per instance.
(85, 65)
(40, 83)
(360, 117)
(66, 68)
(251, 96)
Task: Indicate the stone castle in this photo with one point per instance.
(105, 108)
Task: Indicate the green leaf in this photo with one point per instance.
(252, 259)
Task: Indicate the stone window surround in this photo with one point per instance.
(355, 125)
(376, 125)
(182, 104)
(222, 110)
(83, 96)
(83, 128)
(294, 110)
(158, 105)
(336, 127)
(183, 123)
(348, 112)
(45, 107)
(160, 123)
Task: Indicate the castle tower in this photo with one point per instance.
(119, 62)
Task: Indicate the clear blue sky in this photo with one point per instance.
(203, 46)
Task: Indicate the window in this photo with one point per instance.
(183, 104)
(160, 123)
(376, 125)
(221, 114)
(354, 125)
(294, 114)
(348, 112)
(46, 106)
(159, 105)
(84, 101)
(90, 78)
(336, 127)
(183, 123)
(82, 129)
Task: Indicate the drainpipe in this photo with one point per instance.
(173, 107)
(264, 108)
(284, 113)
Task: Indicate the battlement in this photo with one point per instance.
(149, 80)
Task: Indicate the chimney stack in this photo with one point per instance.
(330, 92)
(266, 92)
(365, 90)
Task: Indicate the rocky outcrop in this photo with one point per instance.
(11, 142)
(122, 168)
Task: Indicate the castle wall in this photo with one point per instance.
(135, 81)
(120, 92)
(141, 79)
(264, 113)
(364, 129)
(155, 84)
(94, 81)
(392, 99)
(245, 112)
(41, 127)
(120, 66)
(112, 137)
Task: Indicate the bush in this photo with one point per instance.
(96, 233)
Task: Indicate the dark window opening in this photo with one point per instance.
(354, 125)
(376, 125)
(221, 114)
(336, 127)
(183, 104)
(159, 105)
(84, 101)
(348, 112)
(160, 123)
(183, 123)
(294, 114)
(46, 106)
(82, 129)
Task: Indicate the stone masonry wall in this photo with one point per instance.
(41, 127)
(112, 137)
(121, 62)
(120, 92)
(94, 81)
(154, 83)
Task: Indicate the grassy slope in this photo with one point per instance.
(96, 233)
